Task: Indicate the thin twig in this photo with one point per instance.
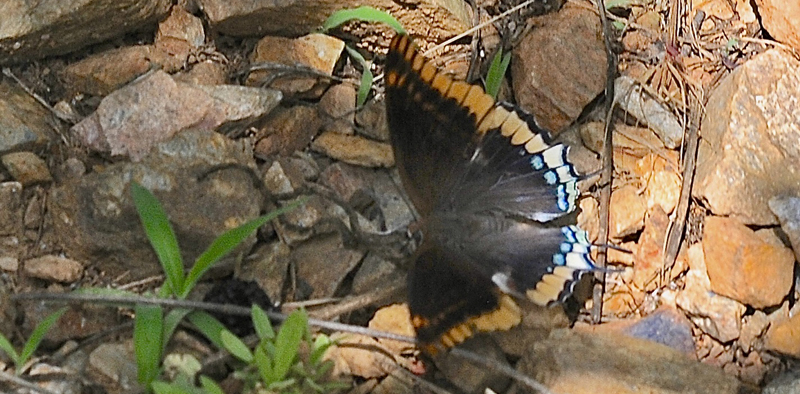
(608, 164)
(676, 231)
(23, 383)
(429, 52)
(482, 361)
(206, 306)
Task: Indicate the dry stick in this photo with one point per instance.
(244, 311)
(359, 302)
(676, 231)
(23, 383)
(206, 306)
(678, 225)
(608, 165)
(481, 361)
(478, 27)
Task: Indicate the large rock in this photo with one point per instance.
(716, 315)
(560, 66)
(782, 20)
(131, 120)
(437, 19)
(203, 180)
(749, 151)
(578, 363)
(754, 269)
(35, 29)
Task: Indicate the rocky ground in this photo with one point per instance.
(229, 109)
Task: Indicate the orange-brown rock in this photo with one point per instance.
(318, 52)
(744, 266)
(627, 209)
(649, 252)
(784, 337)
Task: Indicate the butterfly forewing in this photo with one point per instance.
(486, 180)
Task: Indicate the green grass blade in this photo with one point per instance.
(210, 386)
(288, 341)
(366, 76)
(264, 365)
(37, 335)
(209, 326)
(147, 329)
(159, 232)
(319, 346)
(497, 70)
(366, 14)
(235, 346)
(168, 388)
(261, 323)
(171, 322)
(227, 242)
(8, 348)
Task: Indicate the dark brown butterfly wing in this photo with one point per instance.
(486, 180)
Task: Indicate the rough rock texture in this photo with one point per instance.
(649, 111)
(42, 28)
(354, 149)
(749, 151)
(627, 211)
(649, 252)
(443, 18)
(744, 266)
(559, 67)
(203, 180)
(318, 52)
(24, 123)
(132, 119)
(787, 209)
(782, 20)
(716, 315)
(784, 336)
(54, 268)
(578, 363)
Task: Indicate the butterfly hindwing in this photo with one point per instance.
(486, 180)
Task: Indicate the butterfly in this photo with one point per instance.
(487, 182)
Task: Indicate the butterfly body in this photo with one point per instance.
(487, 182)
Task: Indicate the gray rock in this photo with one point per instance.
(559, 67)
(786, 383)
(131, 120)
(748, 151)
(323, 262)
(116, 362)
(290, 18)
(570, 362)
(283, 179)
(24, 123)
(647, 110)
(371, 119)
(46, 28)
(787, 209)
(268, 266)
(337, 108)
(470, 378)
(203, 180)
(374, 272)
